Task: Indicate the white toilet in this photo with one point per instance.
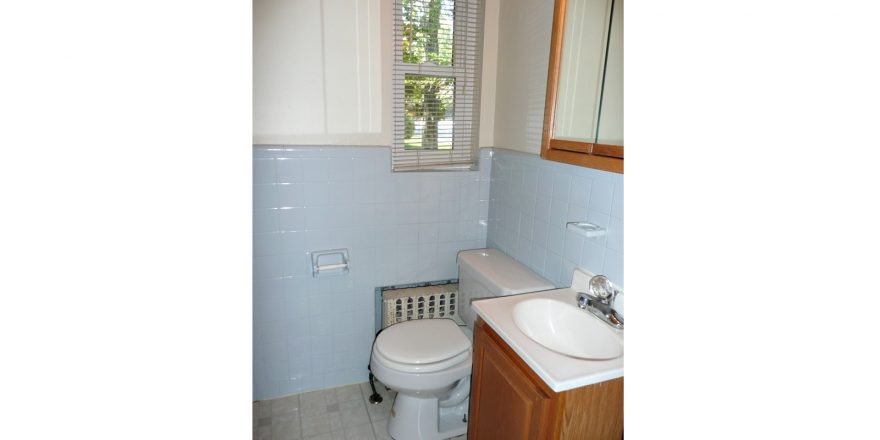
(428, 361)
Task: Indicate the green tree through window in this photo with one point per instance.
(429, 100)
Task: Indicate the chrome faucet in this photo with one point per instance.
(599, 301)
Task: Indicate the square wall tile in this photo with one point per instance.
(408, 234)
(613, 268)
(267, 266)
(592, 257)
(317, 169)
(290, 195)
(267, 244)
(289, 170)
(601, 197)
(292, 219)
(264, 171)
(265, 196)
(581, 188)
(562, 187)
(265, 220)
(329, 217)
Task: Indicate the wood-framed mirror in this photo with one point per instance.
(583, 114)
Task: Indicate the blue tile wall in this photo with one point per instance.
(400, 227)
(312, 333)
(531, 200)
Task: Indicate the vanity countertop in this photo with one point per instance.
(558, 371)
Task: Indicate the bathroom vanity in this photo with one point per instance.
(509, 401)
(522, 390)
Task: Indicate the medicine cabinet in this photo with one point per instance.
(583, 115)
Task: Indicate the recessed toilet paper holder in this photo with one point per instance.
(330, 262)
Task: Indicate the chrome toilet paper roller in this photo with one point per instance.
(330, 262)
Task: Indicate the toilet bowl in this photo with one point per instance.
(428, 361)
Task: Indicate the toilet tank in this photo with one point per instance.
(489, 272)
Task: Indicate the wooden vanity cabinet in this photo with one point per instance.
(509, 401)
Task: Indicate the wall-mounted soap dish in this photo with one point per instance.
(586, 229)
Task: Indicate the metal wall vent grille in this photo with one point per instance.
(428, 302)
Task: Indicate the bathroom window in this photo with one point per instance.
(436, 84)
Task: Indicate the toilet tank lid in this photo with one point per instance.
(500, 273)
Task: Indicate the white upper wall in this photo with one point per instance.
(521, 84)
(490, 73)
(322, 72)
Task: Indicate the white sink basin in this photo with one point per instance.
(566, 329)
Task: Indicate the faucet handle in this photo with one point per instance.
(601, 288)
(582, 299)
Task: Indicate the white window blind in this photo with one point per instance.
(436, 84)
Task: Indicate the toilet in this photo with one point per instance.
(428, 361)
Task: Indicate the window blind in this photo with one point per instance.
(436, 84)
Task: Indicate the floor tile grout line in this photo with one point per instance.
(302, 433)
(369, 418)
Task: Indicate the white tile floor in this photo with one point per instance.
(343, 413)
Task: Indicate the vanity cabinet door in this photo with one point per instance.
(510, 402)
(505, 402)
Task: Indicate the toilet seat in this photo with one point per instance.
(422, 346)
(424, 368)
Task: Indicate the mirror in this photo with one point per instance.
(580, 71)
(583, 117)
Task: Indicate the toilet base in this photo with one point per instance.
(416, 418)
